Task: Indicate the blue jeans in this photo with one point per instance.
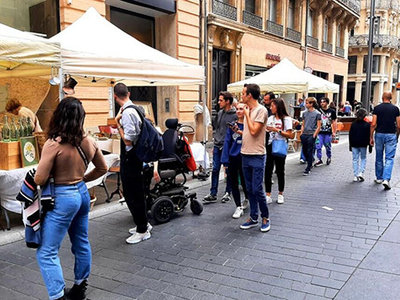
(324, 139)
(385, 142)
(217, 155)
(253, 171)
(308, 142)
(71, 213)
(359, 167)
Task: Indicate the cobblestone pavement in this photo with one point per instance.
(349, 252)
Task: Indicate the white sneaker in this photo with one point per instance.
(378, 181)
(386, 184)
(281, 199)
(238, 212)
(226, 197)
(355, 179)
(133, 230)
(138, 237)
(245, 204)
(361, 177)
(269, 199)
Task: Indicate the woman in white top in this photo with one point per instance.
(278, 131)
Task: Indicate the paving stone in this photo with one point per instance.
(392, 234)
(8, 294)
(385, 257)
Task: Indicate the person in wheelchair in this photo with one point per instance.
(169, 195)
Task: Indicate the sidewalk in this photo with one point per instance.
(331, 238)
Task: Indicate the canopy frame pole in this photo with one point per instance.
(60, 87)
(205, 49)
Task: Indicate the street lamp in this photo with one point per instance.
(368, 83)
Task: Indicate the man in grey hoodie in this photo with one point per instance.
(226, 115)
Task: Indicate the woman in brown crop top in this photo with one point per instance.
(61, 159)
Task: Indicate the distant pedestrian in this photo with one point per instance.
(232, 158)
(359, 140)
(226, 115)
(386, 123)
(280, 127)
(253, 153)
(327, 132)
(65, 157)
(309, 131)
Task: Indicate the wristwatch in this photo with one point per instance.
(280, 131)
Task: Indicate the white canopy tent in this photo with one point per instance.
(286, 78)
(94, 47)
(24, 54)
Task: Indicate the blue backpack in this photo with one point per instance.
(149, 146)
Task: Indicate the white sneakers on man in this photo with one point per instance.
(386, 184)
(281, 199)
(138, 237)
(238, 212)
(133, 230)
(269, 199)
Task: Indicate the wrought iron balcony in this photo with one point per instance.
(293, 35)
(353, 5)
(252, 19)
(276, 29)
(382, 40)
(312, 41)
(385, 5)
(326, 47)
(224, 9)
(339, 51)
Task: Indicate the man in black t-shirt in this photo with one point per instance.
(386, 123)
(327, 132)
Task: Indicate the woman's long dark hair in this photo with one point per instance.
(281, 110)
(67, 122)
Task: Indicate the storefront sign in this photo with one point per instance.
(273, 57)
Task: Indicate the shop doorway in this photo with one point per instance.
(141, 28)
(221, 65)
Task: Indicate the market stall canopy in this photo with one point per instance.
(94, 47)
(286, 78)
(25, 54)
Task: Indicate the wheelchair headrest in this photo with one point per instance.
(172, 123)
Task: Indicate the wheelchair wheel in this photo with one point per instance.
(162, 209)
(196, 206)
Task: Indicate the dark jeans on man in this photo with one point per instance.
(217, 155)
(279, 163)
(235, 170)
(308, 144)
(133, 189)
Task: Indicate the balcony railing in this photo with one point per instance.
(354, 5)
(225, 10)
(326, 47)
(385, 5)
(339, 51)
(276, 29)
(252, 19)
(312, 41)
(382, 40)
(293, 35)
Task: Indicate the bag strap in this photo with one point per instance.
(83, 156)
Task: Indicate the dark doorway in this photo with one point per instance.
(337, 97)
(220, 75)
(351, 92)
(141, 28)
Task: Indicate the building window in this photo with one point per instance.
(339, 36)
(272, 11)
(310, 23)
(352, 32)
(291, 13)
(377, 24)
(252, 70)
(375, 64)
(326, 30)
(352, 64)
(250, 6)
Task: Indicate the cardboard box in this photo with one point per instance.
(10, 156)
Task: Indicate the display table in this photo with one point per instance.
(11, 182)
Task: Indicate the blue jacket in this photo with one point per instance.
(232, 144)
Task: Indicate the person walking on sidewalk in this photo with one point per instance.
(309, 131)
(386, 125)
(279, 126)
(253, 156)
(226, 115)
(327, 132)
(359, 139)
(129, 124)
(232, 158)
(65, 157)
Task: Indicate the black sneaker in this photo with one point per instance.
(328, 161)
(318, 163)
(306, 173)
(226, 198)
(210, 199)
(77, 292)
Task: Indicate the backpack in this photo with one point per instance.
(149, 146)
